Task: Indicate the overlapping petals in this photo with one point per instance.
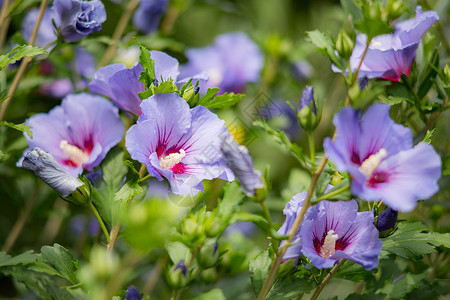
(380, 157)
(178, 143)
(79, 133)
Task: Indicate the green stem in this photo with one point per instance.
(266, 213)
(100, 221)
(24, 63)
(327, 279)
(114, 235)
(312, 151)
(331, 194)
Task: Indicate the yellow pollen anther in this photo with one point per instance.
(74, 153)
(372, 162)
(329, 244)
(171, 160)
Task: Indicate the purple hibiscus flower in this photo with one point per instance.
(77, 19)
(122, 85)
(391, 55)
(149, 14)
(79, 133)
(241, 164)
(336, 230)
(381, 160)
(178, 143)
(46, 33)
(231, 62)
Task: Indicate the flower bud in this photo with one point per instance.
(344, 44)
(386, 221)
(447, 73)
(132, 294)
(77, 19)
(208, 254)
(307, 112)
(52, 173)
(178, 275)
(213, 227)
(190, 228)
(209, 275)
(395, 8)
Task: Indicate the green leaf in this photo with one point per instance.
(229, 204)
(325, 45)
(62, 260)
(223, 101)
(130, 165)
(130, 189)
(411, 242)
(403, 286)
(354, 272)
(21, 127)
(215, 294)
(178, 251)
(19, 52)
(427, 138)
(356, 296)
(281, 138)
(148, 75)
(24, 259)
(259, 270)
(290, 289)
(393, 100)
(259, 221)
(428, 76)
(372, 24)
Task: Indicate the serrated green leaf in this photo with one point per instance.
(325, 45)
(21, 127)
(215, 294)
(259, 270)
(62, 260)
(290, 289)
(411, 242)
(427, 138)
(403, 286)
(130, 189)
(223, 101)
(24, 258)
(19, 52)
(130, 165)
(427, 79)
(148, 75)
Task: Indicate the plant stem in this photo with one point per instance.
(312, 151)
(118, 32)
(280, 253)
(355, 76)
(327, 279)
(114, 234)
(24, 62)
(54, 221)
(331, 194)
(4, 22)
(21, 220)
(100, 221)
(154, 276)
(266, 213)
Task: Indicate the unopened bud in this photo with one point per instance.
(386, 221)
(344, 44)
(209, 275)
(307, 113)
(178, 275)
(208, 254)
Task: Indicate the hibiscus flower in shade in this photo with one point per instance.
(122, 85)
(391, 55)
(231, 62)
(336, 230)
(380, 157)
(79, 133)
(178, 143)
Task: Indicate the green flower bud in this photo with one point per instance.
(208, 254)
(344, 44)
(190, 228)
(209, 275)
(309, 116)
(213, 227)
(178, 276)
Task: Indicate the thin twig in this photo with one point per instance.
(114, 234)
(118, 32)
(4, 22)
(327, 279)
(154, 276)
(24, 63)
(21, 220)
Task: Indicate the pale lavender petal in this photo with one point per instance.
(100, 81)
(165, 66)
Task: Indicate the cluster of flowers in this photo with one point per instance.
(187, 145)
